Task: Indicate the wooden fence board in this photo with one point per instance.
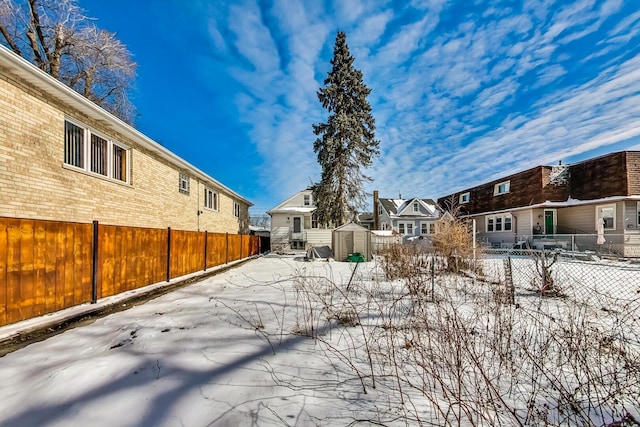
(14, 298)
(60, 230)
(50, 267)
(234, 247)
(39, 264)
(3, 271)
(27, 291)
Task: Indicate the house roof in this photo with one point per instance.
(42, 81)
(283, 208)
(365, 216)
(351, 226)
(396, 206)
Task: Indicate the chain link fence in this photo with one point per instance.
(588, 279)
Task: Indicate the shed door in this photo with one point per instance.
(358, 242)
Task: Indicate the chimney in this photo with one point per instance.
(376, 220)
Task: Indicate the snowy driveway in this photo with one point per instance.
(196, 357)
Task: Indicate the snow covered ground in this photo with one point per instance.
(195, 357)
(236, 349)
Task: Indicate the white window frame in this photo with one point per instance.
(306, 199)
(407, 228)
(236, 209)
(498, 223)
(183, 183)
(211, 199)
(599, 209)
(502, 188)
(464, 198)
(81, 159)
(416, 207)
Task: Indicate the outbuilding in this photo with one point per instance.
(351, 238)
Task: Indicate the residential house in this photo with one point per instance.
(294, 226)
(408, 217)
(560, 206)
(62, 157)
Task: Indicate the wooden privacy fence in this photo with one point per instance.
(46, 266)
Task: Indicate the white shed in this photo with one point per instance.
(350, 238)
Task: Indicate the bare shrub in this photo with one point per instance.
(454, 240)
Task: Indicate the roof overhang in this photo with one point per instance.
(32, 75)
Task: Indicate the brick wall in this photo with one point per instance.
(35, 183)
(633, 172)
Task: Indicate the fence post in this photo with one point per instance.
(226, 260)
(94, 265)
(241, 246)
(433, 279)
(205, 250)
(168, 254)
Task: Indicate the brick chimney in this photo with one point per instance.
(376, 220)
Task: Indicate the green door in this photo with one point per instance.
(548, 222)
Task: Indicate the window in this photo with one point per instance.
(608, 214)
(119, 169)
(385, 226)
(464, 198)
(98, 158)
(93, 153)
(432, 229)
(424, 229)
(499, 223)
(236, 209)
(307, 199)
(73, 145)
(314, 220)
(210, 199)
(416, 208)
(502, 188)
(380, 211)
(183, 185)
(405, 228)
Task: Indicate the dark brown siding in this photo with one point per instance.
(603, 176)
(526, 188)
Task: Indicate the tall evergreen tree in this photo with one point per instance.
(346, 144)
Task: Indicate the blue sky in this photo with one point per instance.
(462, 91)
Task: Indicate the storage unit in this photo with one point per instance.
(350, 238)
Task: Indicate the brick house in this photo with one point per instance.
(560, 206)
(62, 157)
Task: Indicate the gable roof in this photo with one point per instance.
(33, 76)
(283, 208)
(396, 206)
